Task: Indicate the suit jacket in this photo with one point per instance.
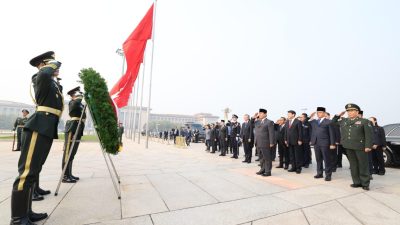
(264, 133)
(293, 133)
(323, 134)
(223, 133)
(246, 132)
(280, 133)
(378, 136)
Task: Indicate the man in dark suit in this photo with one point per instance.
(294, 140)
(247, 135)
(213, 138)
(223, 138)
(306, 129)
(265, 140)
(323, 140)
(280, 139)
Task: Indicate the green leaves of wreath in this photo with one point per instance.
(101, 108)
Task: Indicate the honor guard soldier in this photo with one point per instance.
(71, 129)
(39, 132)
(235, 133)
(19, 125)
(356, 138)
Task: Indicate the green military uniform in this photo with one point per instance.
(39, 132)
(356, 136)
(75, 111)
(19, 126)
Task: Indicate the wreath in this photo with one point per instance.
(102, 110)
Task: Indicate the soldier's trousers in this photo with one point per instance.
(234, 145)
(323, 156)
(67, 147)
(359, 166)
(296, 156)
(34, 151)
(266, 161)
(19, 137)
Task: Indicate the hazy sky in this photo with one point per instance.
(242, 54)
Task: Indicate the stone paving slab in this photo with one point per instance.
(369, 211)
(290, 218)
(329, 213)
(179, 193)
(166, 185)
(228, 213)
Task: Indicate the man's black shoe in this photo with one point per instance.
(365, 188)
(355, 185)
(292, 170)
(260, 172)
(42, 192)
(266, 174)
(318, 176)
(34, 217)
(328, 178)
(280, 166)
(68, 180)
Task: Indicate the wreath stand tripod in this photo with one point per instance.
(114, 177)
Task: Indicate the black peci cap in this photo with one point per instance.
(41, 58)
(321, 109)
(25, 110)
(261, 110)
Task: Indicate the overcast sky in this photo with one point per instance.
(212, 54)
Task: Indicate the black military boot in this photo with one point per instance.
(67, 176)
(19, 208)
(70, 172)
(34, 217)
(39, 190)
(35, 195)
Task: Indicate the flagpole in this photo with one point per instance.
(135, 109)
(151, 71)
(141, 96)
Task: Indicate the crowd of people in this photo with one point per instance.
(292, 137)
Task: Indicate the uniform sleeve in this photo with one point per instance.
(368, 134)
(335, 120)
(15, 123)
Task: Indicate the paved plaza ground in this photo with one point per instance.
(165, 185)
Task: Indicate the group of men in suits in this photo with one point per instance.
(223, 137)
(294, 135)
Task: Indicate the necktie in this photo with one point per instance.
(319, 121)
(290, 123)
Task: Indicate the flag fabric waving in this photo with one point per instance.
(133, 48)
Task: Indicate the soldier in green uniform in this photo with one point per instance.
(37, 138)
(356, 138)
(75, 111)
(19, 125)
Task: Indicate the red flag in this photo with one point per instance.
(134, 48)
